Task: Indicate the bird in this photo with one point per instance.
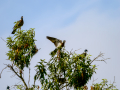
(8, 88)
(58, 44)
(18, 25)
(83, 55)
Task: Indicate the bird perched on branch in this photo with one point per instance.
(8, 88)
(18, 25)
(58, 44)
(84, 54)
(81, 56)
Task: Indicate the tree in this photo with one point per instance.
(72, 70)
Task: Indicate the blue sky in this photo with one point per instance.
(85, 24)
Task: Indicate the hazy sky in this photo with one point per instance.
(85, 24)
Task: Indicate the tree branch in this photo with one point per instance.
(2, 71)
(64, 86)
(29, 79)
(11, 67)
(100, 55)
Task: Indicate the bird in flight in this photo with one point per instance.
(18, 25)
(58, 44)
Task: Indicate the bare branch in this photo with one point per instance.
(13, 86)
(2, 71)
(94, 80)
(77, 49)
(112, 83)
(101, 60)
(20, 76)
(71, 51)
(29, 79)
(3, 39)
(13, 76)
(39, 48)
(100, 55)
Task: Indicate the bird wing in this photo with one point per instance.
(16, 25)
(54, 40)
(20, 23)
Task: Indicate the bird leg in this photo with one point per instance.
(58, 54)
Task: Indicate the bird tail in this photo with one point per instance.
(54, 52)
(13, 32)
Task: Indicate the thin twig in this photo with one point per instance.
(13, 86)
(11, 67)
(2, 71)
(77, 49)
(3, 39)
(29, 79)
(102, 60)
(39, 48)
(12, 76)
(94, 80)
(96, 57)
(71, 51)
(112, 83)
(100, 55)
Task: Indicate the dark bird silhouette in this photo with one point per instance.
(85, 52)
(8, 88)
(83, 55)
(18, 25)
(58, 44)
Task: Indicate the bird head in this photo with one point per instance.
(63, 43)
(86, 51)
(8, 87)
(21, 17)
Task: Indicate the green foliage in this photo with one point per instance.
(53, 52)
(103, 86)
(40, 72)
(70, 70)
(22, 48)
(22, 87)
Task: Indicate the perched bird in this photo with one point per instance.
(83, 55)
(58, 44)
(18, 25)
(8, 88)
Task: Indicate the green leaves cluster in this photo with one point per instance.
(22, 48)
(103, 86)
(70, 70)
(40, 71)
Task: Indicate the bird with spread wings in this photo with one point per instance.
(58, 44)
(18, 25)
